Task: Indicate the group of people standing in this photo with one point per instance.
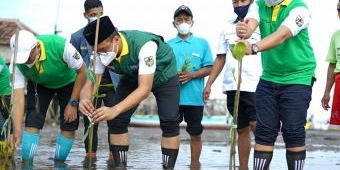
(276, 85)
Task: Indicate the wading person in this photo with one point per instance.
(284, 91)
(251, 70)
(52, 66)
(194, 60)
(333, 77)
(146, 64)
(93, 8)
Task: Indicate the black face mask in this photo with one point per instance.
(241, 11)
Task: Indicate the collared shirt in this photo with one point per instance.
(68, 57)
(142, 53)
(251, 65)
(292, 61)
(197, 51)
(333, 55)
(290, 22)
(147, 50)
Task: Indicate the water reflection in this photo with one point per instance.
(145, 153)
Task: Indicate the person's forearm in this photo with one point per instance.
(140, 93)
(85, 92)
(205, 71)
(79, 83)
(330, 78)
(275, 39)
(216, 69)
(18, 101)
(133, 99)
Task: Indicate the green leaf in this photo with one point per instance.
(99, 95)
(238, 50)
(231, 47)
(90, 75)
(107, 85)
(186, 65)
(89, 128)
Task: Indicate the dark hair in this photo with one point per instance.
(89, 4)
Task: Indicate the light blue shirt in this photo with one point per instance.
(197, 50)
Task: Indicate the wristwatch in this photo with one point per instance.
(254, 49)
(73, 103)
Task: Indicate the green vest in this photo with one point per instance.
(127, 65)
(293, 61)
(5, 78)
(54, 71)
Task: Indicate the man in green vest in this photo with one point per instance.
(285, 87)
(92, 9)
(146, 64)
(52, 66)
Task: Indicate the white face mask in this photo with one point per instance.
(106, 58)
(183, 28)
(91, 19)
(32, 64)
(273, 2)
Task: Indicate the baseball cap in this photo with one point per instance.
(26, 42)
(183, 8)
(106, 28)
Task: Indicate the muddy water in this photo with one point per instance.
(144, 153)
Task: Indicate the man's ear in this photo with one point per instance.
(85, 16)
(173, 23)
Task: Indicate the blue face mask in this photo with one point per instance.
(241, 11)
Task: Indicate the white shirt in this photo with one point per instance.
(69, 52)
(301, 13)
(149, 49)
(251, 64)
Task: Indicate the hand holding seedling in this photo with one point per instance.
(86, 107)
(184, 76)
(104, 113)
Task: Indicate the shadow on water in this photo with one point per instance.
(145, 152)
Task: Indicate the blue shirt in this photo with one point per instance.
(197, 51)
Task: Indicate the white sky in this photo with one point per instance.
(157, 16)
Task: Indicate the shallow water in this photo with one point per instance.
(144, 152)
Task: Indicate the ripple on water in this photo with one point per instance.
(145, 153)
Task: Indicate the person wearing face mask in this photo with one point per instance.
(196, 50)
(333, 78)
(146, 64)
(53, 66)
(251, 70)
(284, 91)
(94, 8)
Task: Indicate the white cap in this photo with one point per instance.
(26, 42)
